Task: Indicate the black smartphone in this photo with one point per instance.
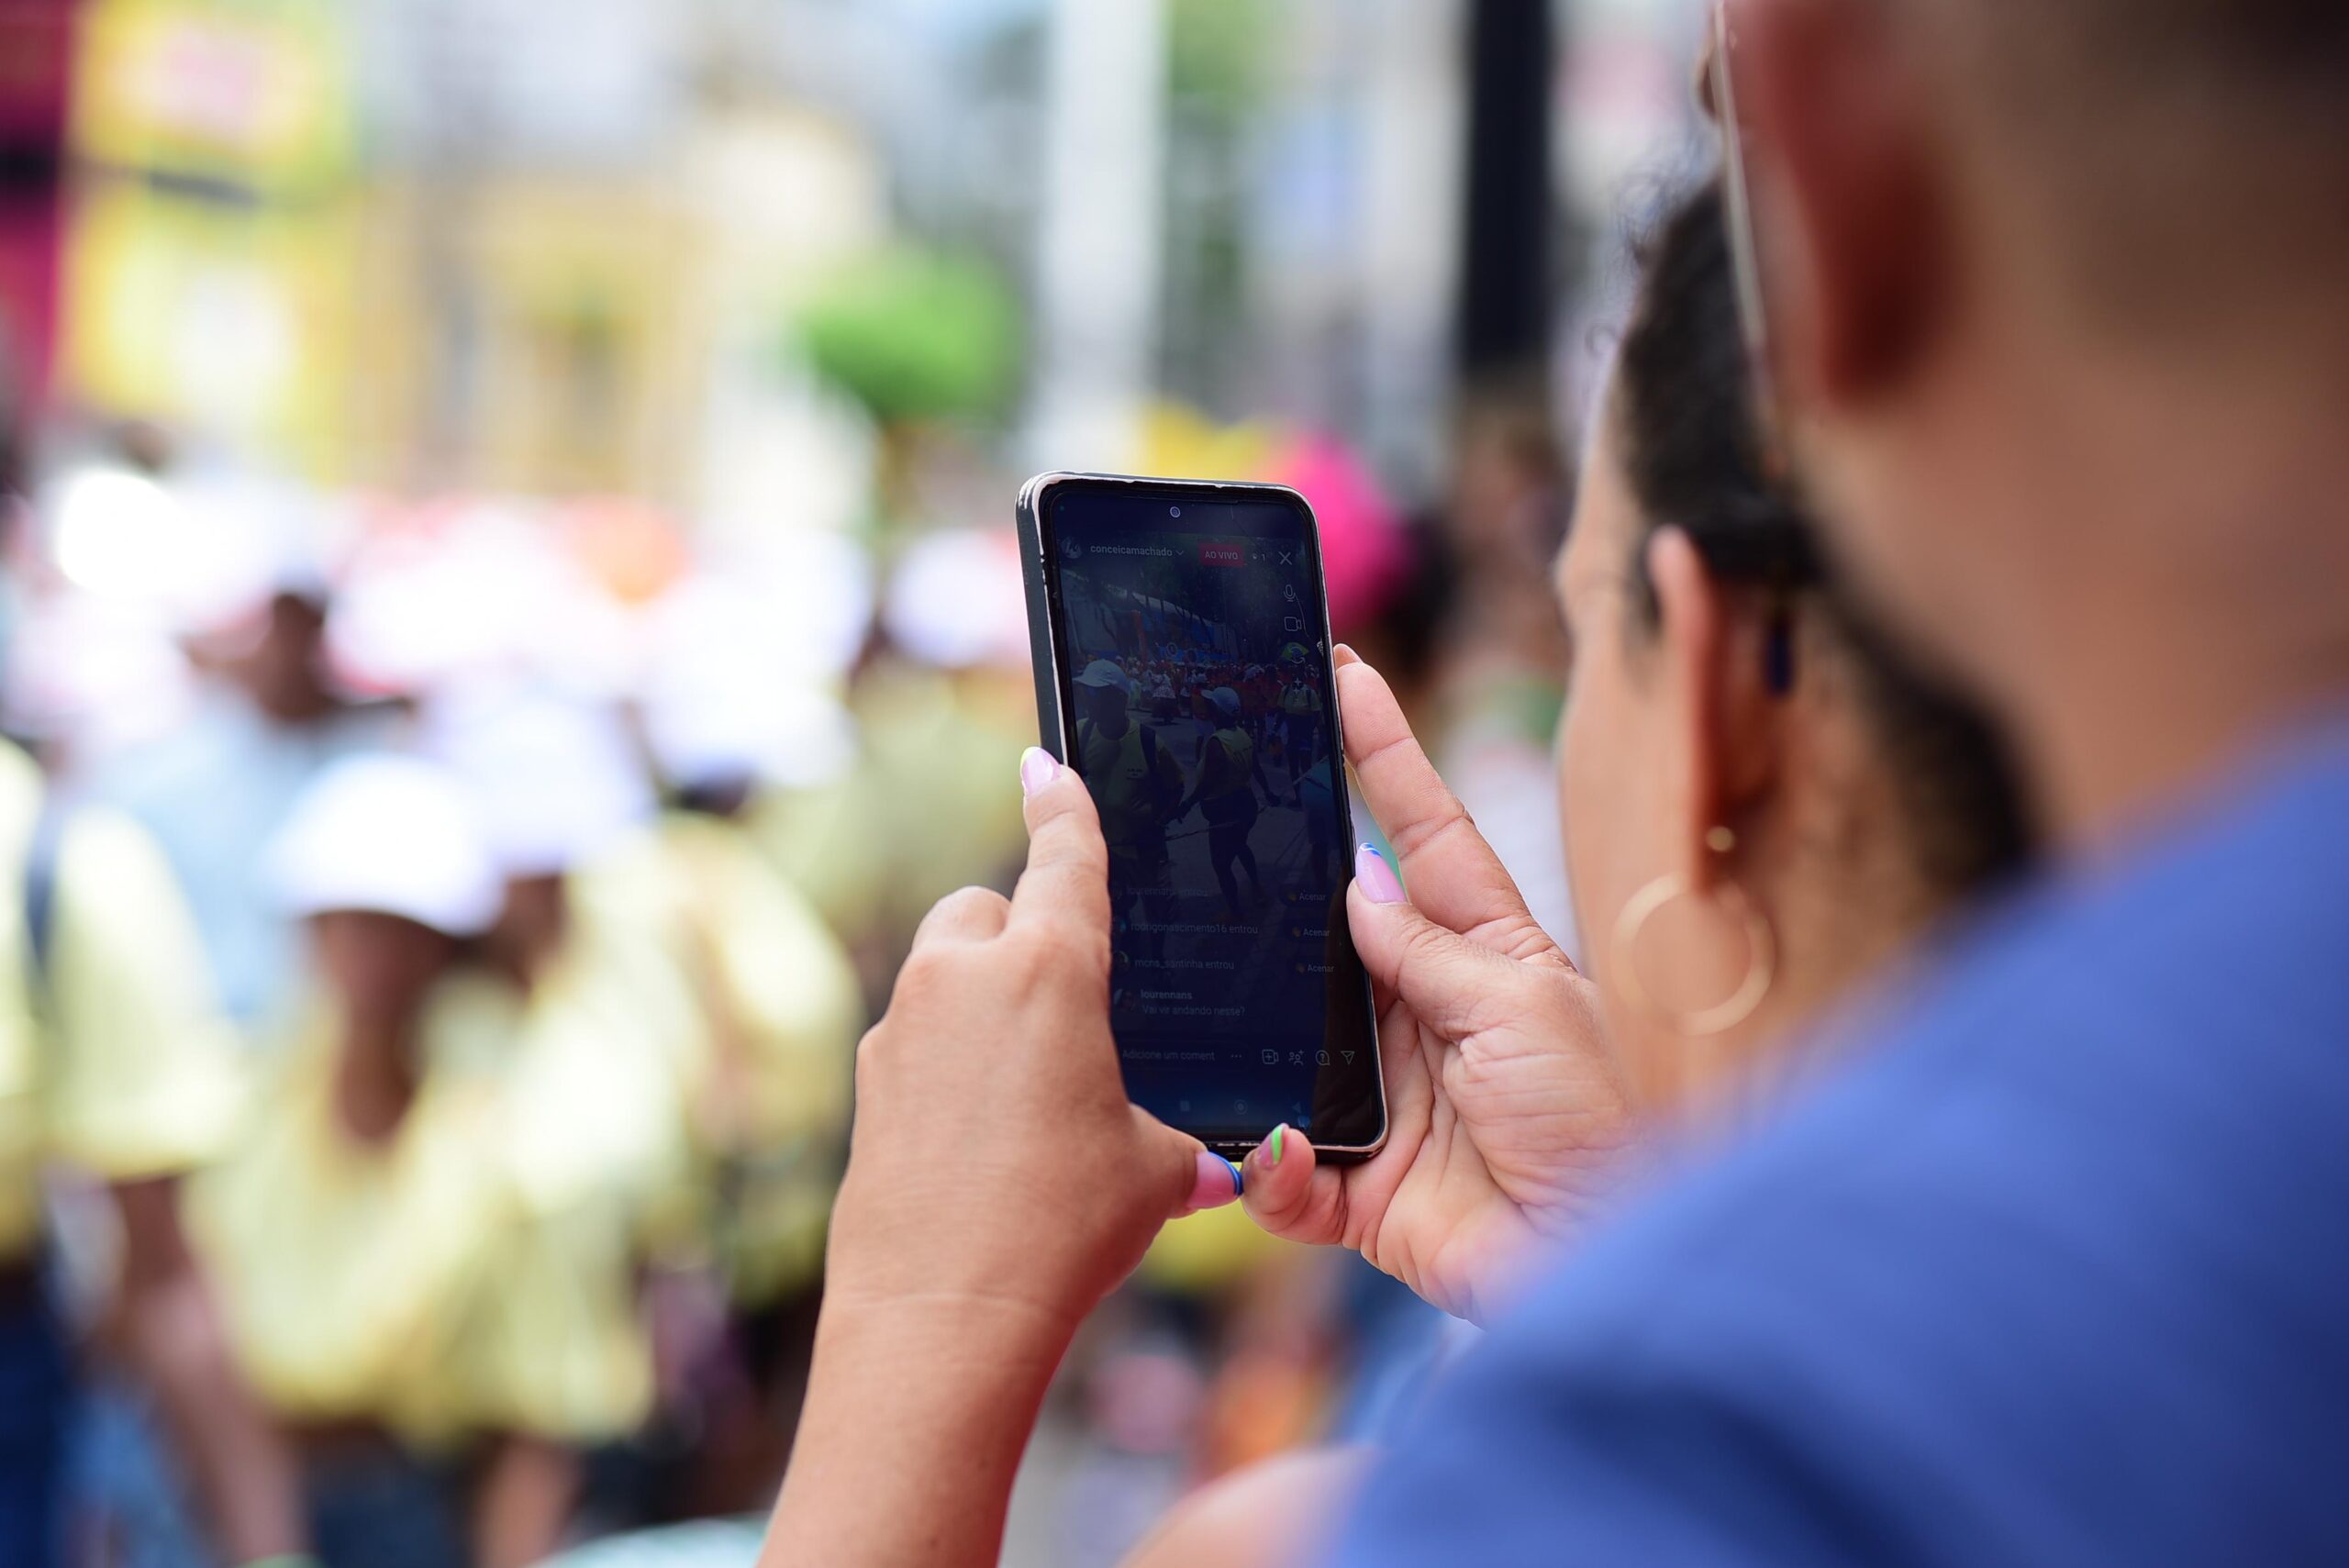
(1182, 645)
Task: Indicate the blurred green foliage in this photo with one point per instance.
(917, 335)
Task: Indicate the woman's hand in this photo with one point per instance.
(1505, 1116)
(998, 1186)
(995, 1155)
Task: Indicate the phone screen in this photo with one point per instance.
(1198, 702)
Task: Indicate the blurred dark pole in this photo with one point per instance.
(36, 66)
(1505, 282)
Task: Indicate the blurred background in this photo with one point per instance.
(509, 511)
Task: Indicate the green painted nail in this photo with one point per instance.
(1273, 1156)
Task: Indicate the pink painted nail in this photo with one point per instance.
(1217, 1183)
(1377, 878)
(1037, 769)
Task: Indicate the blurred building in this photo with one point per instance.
(408, 244)
(211, 222)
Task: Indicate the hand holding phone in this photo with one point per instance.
(994, 1193)
(1507, 1119)
(955, 1109)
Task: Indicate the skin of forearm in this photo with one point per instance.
(918, 1412)
(523, 1502)
(236, 1460)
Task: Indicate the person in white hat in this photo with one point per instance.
(554, 782)
(397, 1285)
(265, 717)
(608, 1025)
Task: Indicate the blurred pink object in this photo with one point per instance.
(1364, 552)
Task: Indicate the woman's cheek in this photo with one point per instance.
(1590, 820)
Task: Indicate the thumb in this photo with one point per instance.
(1449, 982)
(1283, 1195)
(1194, 1177)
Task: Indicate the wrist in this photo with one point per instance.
(918, 1408)
(960, 1332)
(884, 1267)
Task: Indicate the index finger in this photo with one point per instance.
(1452, 874)
(1067, 878)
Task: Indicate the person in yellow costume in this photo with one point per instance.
(767, 1099)
(439, 1327)
(768, 1105)
(116, 1066)
(605, 1029)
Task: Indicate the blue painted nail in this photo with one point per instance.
(1377, 878)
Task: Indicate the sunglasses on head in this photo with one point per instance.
(1720, 91)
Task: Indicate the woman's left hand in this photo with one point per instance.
(1508, 1125)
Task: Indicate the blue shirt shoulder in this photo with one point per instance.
(2056, 1274)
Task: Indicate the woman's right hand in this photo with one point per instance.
(1506, 1120)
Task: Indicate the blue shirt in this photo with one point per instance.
(2057, 1272)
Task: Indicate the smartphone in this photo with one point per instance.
(1181, 636)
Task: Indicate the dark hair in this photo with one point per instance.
(1692, 451)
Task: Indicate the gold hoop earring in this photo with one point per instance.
(1762, 967)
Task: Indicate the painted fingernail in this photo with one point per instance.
(1037, 769)
(1218, 1182)
(1377, 878)
(1273, 1146)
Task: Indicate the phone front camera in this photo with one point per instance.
(1173, 511)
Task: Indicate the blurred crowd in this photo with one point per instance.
(451, 925)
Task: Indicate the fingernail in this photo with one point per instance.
(1037, 769)
(1217, 1184)
(1271, 1146)
(1377, 878)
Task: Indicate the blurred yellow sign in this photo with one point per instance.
(208, 256)
(230, 321)
(251, 93)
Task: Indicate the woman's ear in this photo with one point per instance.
(1714, 679)
(1854, 266)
